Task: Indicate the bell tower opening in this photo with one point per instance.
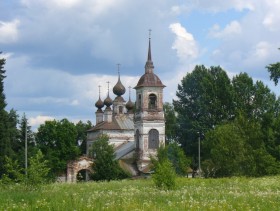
(152, 101)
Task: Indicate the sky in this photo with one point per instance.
(59, 51)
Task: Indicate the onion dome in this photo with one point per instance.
(108, 101)
(99, 104)
(119, 88)
(129, 105)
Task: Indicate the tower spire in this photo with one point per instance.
(149, 50)
(149, 67)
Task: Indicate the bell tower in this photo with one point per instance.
(149, 122)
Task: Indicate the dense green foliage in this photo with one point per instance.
(36, 174)
(57, 141)
(82, 135)
(5, 142)
(238, 118)
(204, 100)
(190, 194)
(274, 70)
(164, 176)
(169, 163)
(171, 127)
(164, 173)
(105, 166)
(237, 149)
(8, 125)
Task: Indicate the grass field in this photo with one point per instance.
(190, 194)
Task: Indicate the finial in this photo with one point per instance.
(129, 91)
(119, 69)
(150, 31)
(99, 90)
(108, 82)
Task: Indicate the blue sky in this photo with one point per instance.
(59, 51)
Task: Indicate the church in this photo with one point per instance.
(136, 130)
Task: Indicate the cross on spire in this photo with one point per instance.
(119, 69)
(99, 90)
(108, 82)
(129, 91)
(150, 31)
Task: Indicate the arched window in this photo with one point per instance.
(153, 139)
(137, 139)
(152, 101)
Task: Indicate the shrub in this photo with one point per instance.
(38, 170)
(164, 176)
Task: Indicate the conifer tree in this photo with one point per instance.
(19, 145)
(5, 143)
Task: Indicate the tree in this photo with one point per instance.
(38, 170)
(19, 145)
(177, 157)
(164, 175)
(105, 166)
(57, 141)
(243, 92)
(2, 77)
(274, 70)
(238, 149)
(14, 173)
(204, 101)
(82, 135)
(171, 127)
(5, 137)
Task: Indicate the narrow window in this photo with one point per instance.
(153, 139)
(120, 110)
(137, 139)
(139, 101)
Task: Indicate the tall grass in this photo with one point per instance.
(190, 194)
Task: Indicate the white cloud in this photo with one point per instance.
(271, 17)
(258, 53)
(184, 43)
(5, 55)
(9, 31)
(250, 43)
(37, 120)
(230, 30)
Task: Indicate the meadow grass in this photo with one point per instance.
(189, 194)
